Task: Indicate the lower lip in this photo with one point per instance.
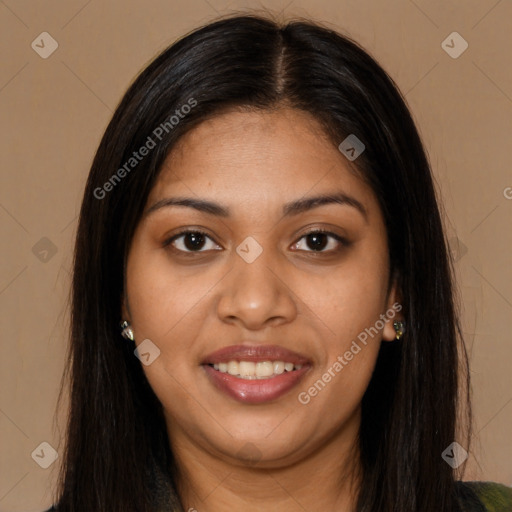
(255, 391)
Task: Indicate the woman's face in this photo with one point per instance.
(256, 296)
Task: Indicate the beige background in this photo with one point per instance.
(55, 110)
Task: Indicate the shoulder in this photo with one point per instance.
(485, 496)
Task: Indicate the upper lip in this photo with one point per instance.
(254, 353)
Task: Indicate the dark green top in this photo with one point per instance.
(492, 497)
(474, 497)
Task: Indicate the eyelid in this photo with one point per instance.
(339, 238)
(344, 242)
(168, 241)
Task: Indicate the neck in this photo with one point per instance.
(326, 479)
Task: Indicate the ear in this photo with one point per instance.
(394, 306)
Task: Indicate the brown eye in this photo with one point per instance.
(318, 240)
(191, 241)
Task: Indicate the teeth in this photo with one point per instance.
(246, 368)
(233, 368)
(264, 369)
(260, 370)
(278, 367)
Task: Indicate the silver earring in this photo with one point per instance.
(399, 329)
(126, 330)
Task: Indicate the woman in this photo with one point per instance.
(261, 219)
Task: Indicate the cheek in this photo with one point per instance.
(351, 298)
(349, 305)
(160, 296)
(165, 308)
(350, 309)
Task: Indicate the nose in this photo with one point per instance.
(255, 295)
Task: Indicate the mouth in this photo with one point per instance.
(255, 374)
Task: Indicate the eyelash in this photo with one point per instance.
(342, 241)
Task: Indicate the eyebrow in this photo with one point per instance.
(289, 209)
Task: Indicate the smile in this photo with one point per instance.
(255, 374)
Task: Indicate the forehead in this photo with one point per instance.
(237, 156)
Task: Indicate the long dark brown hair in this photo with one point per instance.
(116, 435)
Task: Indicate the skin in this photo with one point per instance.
(235, 456)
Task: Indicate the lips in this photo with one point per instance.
(261, 390)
